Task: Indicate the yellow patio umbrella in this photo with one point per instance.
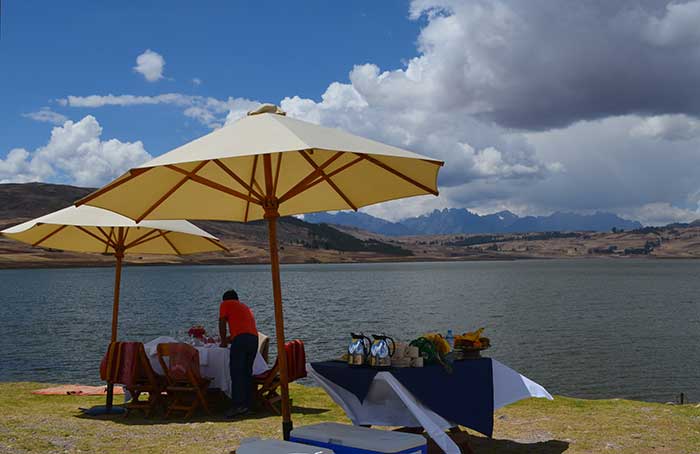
(264, 166)
(91, 229)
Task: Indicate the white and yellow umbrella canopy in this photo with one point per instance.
(221, 175)
(91, 229)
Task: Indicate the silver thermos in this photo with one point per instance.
(380, 352)
(358, 350)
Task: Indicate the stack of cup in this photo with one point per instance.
(406, 355)
(400, 359)
(414, 353)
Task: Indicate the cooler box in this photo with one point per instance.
(346, 439)
(278, 447)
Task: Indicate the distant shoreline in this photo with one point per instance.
(106, 264)
(88, 264)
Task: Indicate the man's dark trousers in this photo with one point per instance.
(244, 347)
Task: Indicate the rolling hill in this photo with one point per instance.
(300, 242)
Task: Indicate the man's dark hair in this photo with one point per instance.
(230, 295)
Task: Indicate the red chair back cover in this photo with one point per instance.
(181, 358)
(296, 360)
(121, 363)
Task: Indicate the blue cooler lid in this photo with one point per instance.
(373, 440)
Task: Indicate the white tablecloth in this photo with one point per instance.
(213, 362)
(389, 403)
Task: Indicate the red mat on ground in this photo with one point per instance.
(76, 390)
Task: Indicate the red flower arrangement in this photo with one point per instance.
(198, 332)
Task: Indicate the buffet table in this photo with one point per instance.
(213, 362)
(428, 397)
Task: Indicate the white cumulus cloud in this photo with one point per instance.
(75, 153)
(150, 65)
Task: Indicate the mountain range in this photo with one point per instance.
(460, 220)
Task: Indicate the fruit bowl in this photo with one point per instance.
(465, 349)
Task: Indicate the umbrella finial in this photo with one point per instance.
(267, 108)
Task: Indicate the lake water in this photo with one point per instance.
(584, 328)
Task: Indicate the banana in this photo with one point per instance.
(471, 337)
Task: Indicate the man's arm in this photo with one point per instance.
(222, 332)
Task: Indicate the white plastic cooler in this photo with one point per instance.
(278, 447)
(346, 439)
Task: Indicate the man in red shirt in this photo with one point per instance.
(243, 339)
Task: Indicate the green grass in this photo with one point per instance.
(52, 424)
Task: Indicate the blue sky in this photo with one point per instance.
(535, 106)
(263, 50)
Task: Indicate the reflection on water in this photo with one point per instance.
(586, 328)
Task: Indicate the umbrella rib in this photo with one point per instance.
(165, 237)
(390, 169)
(133, 173)
(162, 234)
(49, 235)
(87, 232)
(216, 243)
(110, 241)
(330, 182)
(333, 173)
(213, 185)
(140, 240)
(238, 179)
(336, 171)
(172, 190)
(302, 185)
(252, 181)
(277, 173)
(109, 237)
(143, 240)
(345, 166)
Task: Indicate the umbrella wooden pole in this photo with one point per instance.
(271, 206)
(279, 322)
(117, 285)
(119, 255)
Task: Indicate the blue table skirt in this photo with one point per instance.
(464, 396)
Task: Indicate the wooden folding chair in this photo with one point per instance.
(126, 363)
(146, 381)
(186, 387)
(267, 384)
